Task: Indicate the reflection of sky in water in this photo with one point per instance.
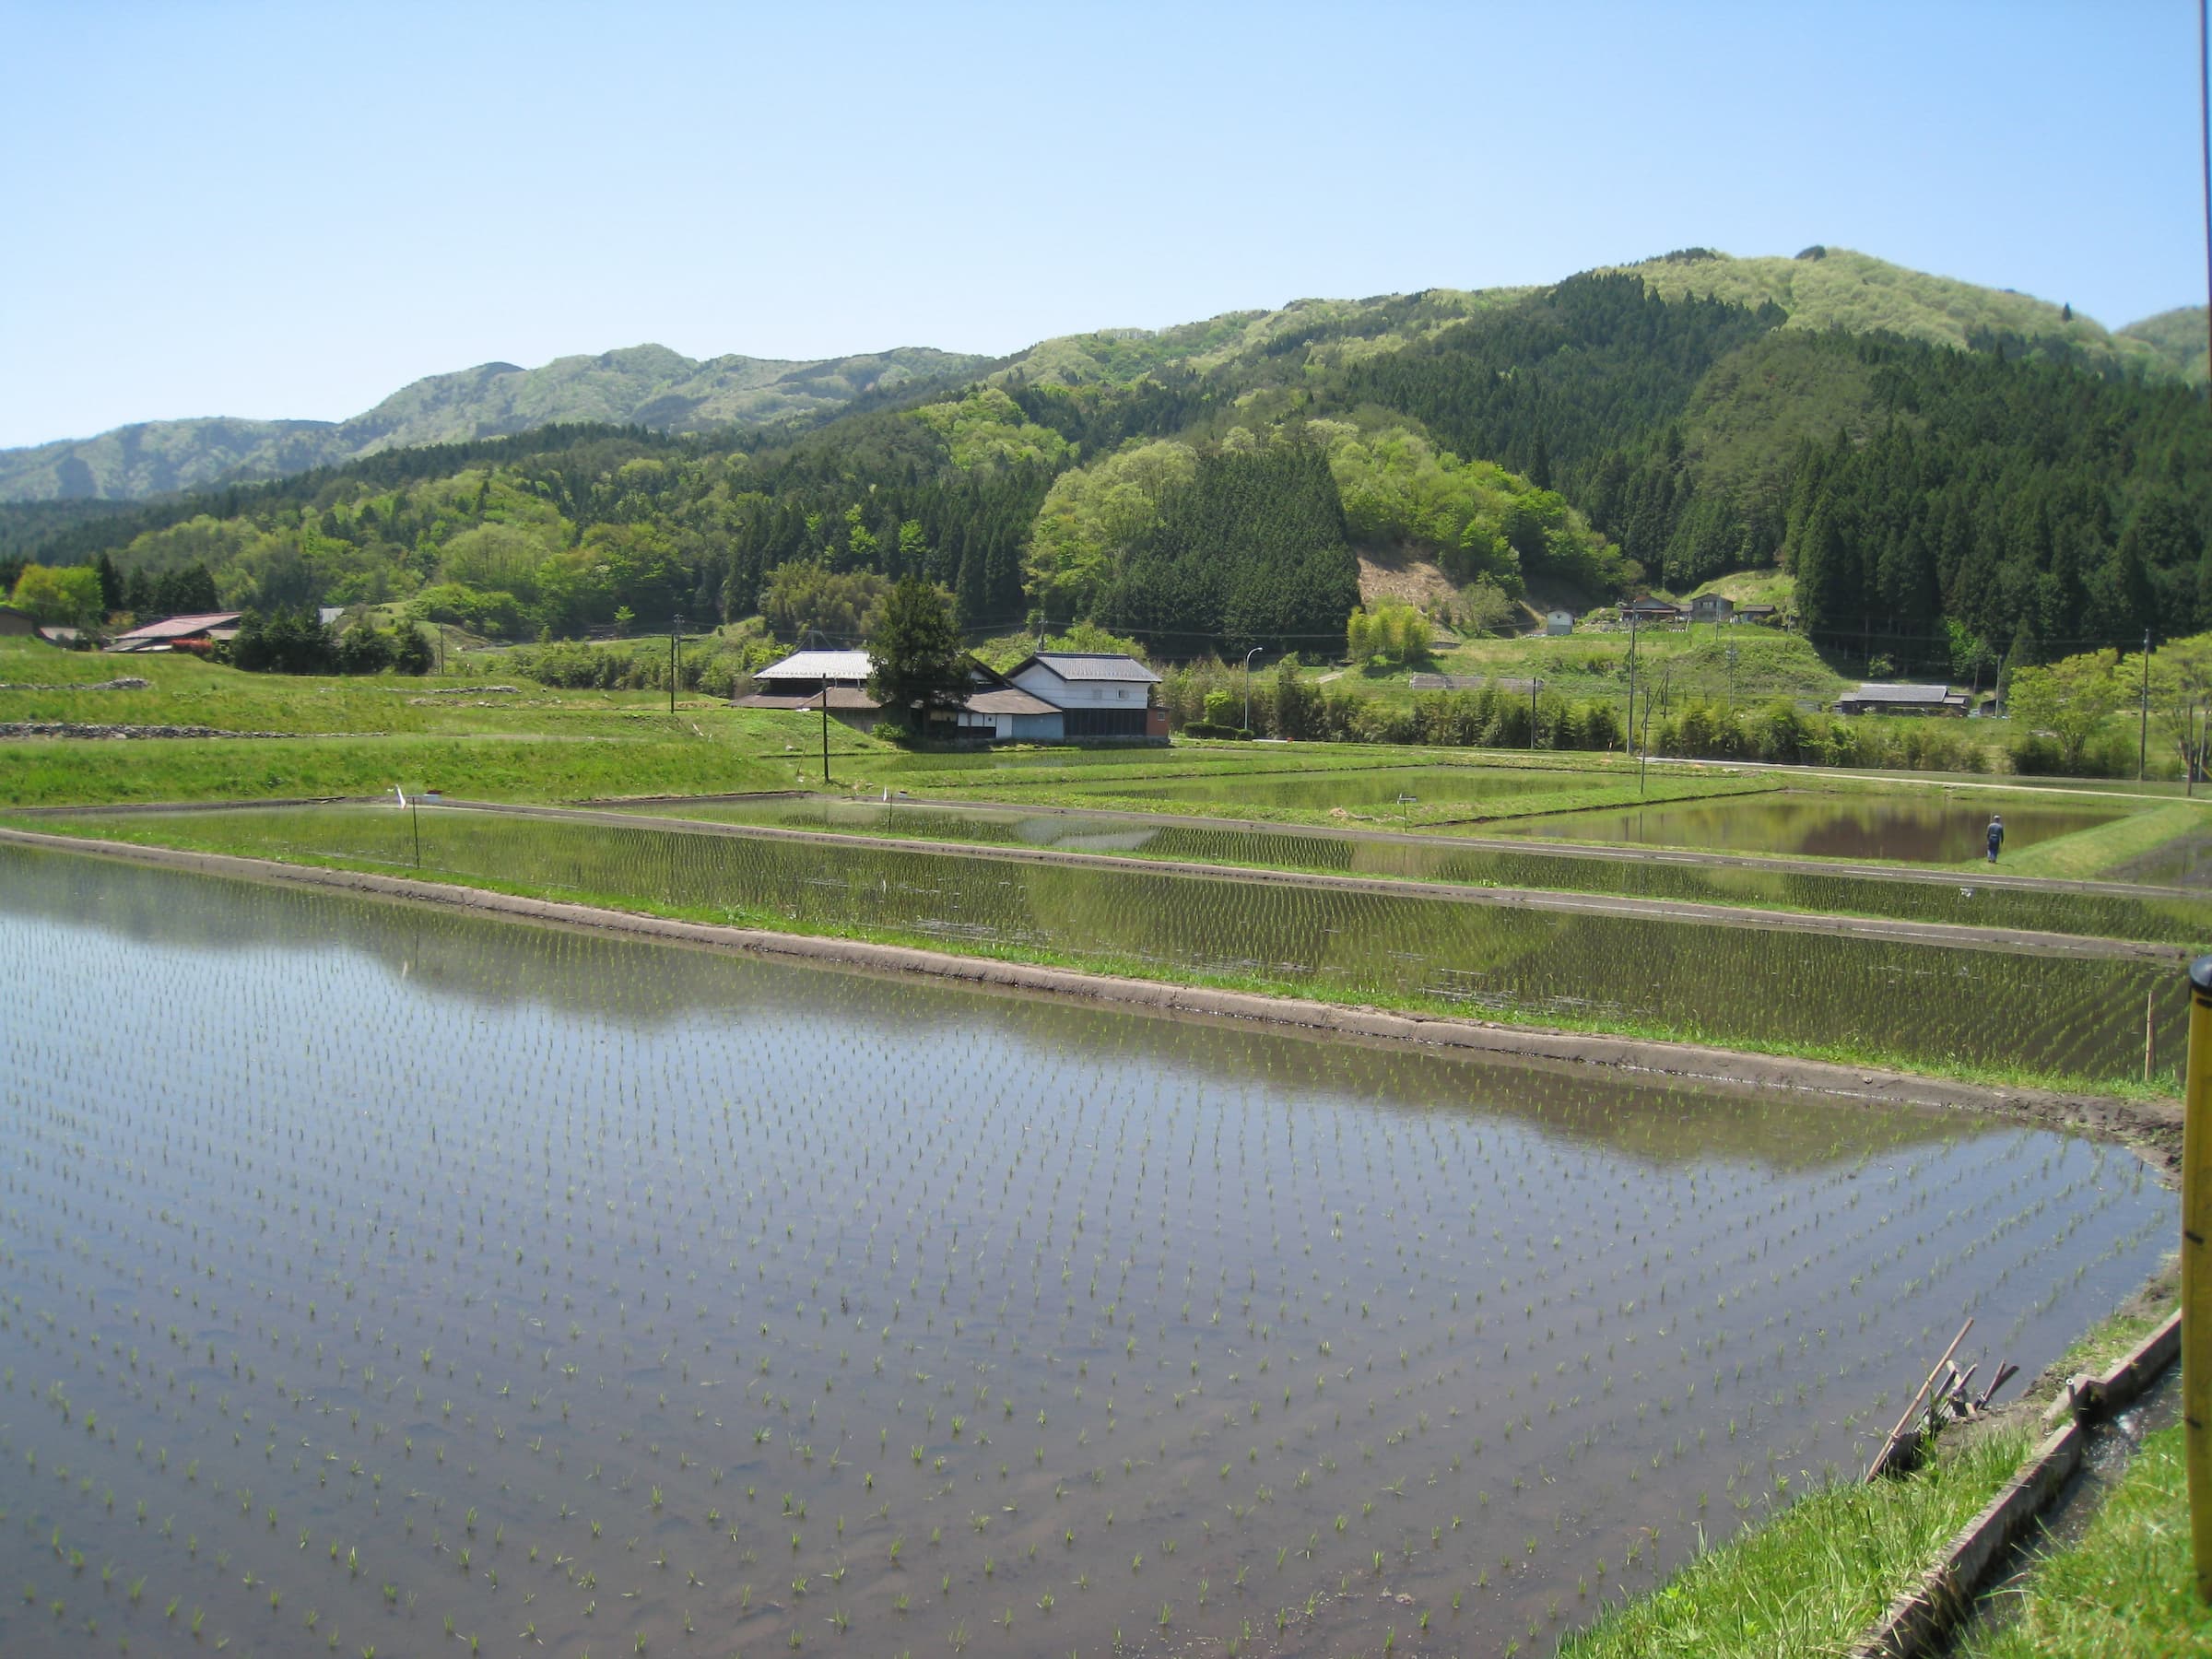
(1907, 999)
(1352, 788)
(664, 1226)
(1820, 827)
(1443, 857)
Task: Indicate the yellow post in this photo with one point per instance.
(2196, 1271)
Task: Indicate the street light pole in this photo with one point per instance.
(1248, 656)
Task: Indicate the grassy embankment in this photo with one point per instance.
(360, 736)
(1690, 663)
(1811, 1579)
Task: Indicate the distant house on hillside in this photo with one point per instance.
(17, 624)
(1754, 613)
(199, 632)
(1558, 622)
(1098, 694)
(1648, 610)
(1901, 700)
(1712, 607)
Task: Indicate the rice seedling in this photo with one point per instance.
(707, 1210)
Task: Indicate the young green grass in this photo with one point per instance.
(1808, 1581)
(2125, 1591)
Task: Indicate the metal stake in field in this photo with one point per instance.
(2196, 1271)
(415, 818)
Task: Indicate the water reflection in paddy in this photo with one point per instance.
(578, 1290)
(1912, 830)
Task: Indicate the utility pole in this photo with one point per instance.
(1630, 738)
(2142, 731)
(825, 732)
(1535, 685)
(1248, 656)
(675, 632)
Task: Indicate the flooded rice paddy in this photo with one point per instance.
(2170, 919)
(1372, 787)
(378, 1277)
(2062, 1015)
(1822, 826)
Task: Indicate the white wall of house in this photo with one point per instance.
(1040, 681)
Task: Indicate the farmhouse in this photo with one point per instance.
(1050, 698)
(1558, 622)
(997, 711)
(1098, 694)
(1648, 609)
(804, 674)
(1901, 700)
(200, 631)
(18, 622)
(1712, 607)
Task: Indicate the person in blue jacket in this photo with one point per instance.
(1996, 836)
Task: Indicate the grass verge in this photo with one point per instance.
(2089, 853)
(1810, 1579)
(502, 767)
(2127, 1590)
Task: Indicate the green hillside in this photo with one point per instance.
(1836, 287)
(1213, 486)
(643, 385)
(2178, 337)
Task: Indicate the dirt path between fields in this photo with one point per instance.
(2152, 1127)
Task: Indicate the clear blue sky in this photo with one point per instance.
(294, 209)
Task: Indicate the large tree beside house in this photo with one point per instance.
(916, 659)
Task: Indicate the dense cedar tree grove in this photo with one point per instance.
(1251, 551)
(1947, 509)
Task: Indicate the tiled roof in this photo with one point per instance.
(180, 627)
(1011, 701)
(1094, 666)
(818, 666)
(842, 697)
(1889, 693)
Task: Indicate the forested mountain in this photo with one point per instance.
(1835, 287)
(1941, 504)
(642, 385)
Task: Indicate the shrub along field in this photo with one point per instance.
(1326, 1346)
